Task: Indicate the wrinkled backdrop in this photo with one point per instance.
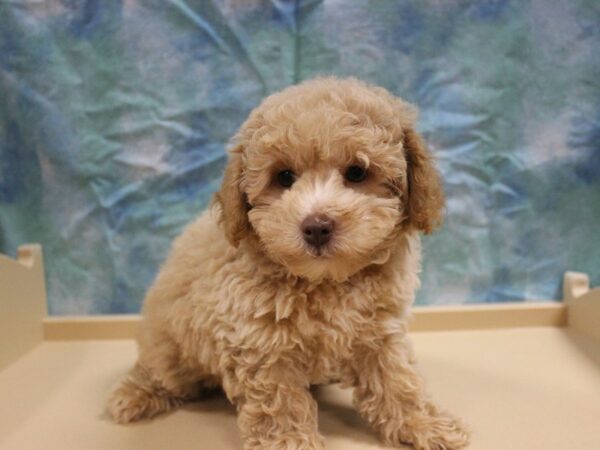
(114, 116)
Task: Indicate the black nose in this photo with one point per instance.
(317, 229)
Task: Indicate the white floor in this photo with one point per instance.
(521, 389)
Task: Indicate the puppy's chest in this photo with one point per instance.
(327, 326)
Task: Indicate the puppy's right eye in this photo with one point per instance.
(286, 178)
(355, 174)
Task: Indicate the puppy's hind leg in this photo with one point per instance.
(140, 396)
(158, 383)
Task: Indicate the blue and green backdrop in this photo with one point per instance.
(114, 116)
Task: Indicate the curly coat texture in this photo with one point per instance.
(244, 303)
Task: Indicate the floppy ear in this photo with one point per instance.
(425, 195)
(234, 207)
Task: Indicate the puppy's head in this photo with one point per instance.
(326, 175)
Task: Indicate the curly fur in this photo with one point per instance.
(243, 303)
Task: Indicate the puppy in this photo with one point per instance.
(301, 272)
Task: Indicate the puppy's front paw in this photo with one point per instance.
(287, 441)
(426, 431)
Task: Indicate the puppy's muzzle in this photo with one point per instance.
(317, 229)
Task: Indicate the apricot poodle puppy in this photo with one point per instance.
(301, 273)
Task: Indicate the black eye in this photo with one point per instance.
(355, 174)
(286, 178)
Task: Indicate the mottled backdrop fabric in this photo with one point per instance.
(114, 117)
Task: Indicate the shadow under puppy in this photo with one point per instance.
(302, 272)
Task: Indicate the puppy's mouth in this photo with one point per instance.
(321, 252)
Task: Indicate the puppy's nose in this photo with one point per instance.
(317, 229)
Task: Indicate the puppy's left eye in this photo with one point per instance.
(355, 174)
(286, 178)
